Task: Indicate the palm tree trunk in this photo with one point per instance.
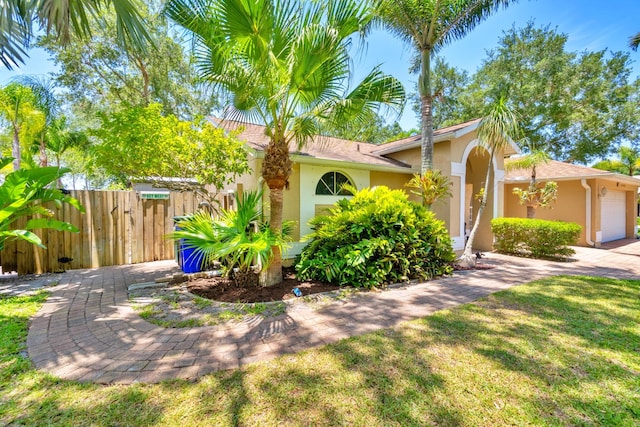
(467, 260)
(276, 170)
(426, 113)
(272, 275)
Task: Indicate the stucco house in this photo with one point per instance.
(325, 163)
(603, 203)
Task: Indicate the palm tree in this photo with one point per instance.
(62, 18)
(495, 131)
(284, 63)
(634, 42)
(17, 105)
(46, 102)
(429, 25)
(628, 164)
(534, 196)
(238, 238)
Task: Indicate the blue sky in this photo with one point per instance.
(589, 25)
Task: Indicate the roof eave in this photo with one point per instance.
(353, 165)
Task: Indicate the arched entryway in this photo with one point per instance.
(476, 161)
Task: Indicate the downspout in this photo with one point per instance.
(588, 212)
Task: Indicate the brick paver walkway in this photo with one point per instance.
(87, 330)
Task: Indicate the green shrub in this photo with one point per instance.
(535, 237)
(377, 237)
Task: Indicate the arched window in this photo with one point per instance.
(331, 185)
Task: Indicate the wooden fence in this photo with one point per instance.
(117, 228)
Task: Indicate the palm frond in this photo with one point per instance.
(527, 161)
(634, 41)
(497, 129)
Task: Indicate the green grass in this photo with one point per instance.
(559, 351)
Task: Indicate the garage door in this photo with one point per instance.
(614, 218)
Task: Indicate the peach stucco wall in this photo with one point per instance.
(571, 205)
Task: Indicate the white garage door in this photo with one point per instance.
(614, 222)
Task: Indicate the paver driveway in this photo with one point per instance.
(87, 330)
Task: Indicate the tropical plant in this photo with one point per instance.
(23, 195)
(429, 25)
(628, 162)
(495, 132)
(535, 195)
(239, 239)
(285, 64)
(62, 18)
(377, 237)
(432, 186)
(46, 102)
(17, 106)
(634, 41)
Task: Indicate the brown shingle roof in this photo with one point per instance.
(555, 170)
(321, 147)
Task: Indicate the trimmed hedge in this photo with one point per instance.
(377, 237)
(535, 237)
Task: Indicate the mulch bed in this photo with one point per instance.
(224, 290)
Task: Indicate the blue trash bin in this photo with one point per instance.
(188, 260)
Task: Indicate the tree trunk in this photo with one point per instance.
(426, 121)
(276, 170)
(272, 275)
(468, 260)
(531, 211)
(15, 148)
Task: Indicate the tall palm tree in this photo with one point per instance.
(429, 25)
(46, 102)
(17, 105)
(495, 131)
(62, 18)
(285, 64)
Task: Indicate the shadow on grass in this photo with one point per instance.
(560, 351)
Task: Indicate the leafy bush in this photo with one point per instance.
(237, 238)
(535, 237)
(23, 195)
(377, 237)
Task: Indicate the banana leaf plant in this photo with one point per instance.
(23, 195)
(239, 239)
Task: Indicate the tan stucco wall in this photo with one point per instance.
(291, 211)
(410, 157)
(458, 149)
(570, 207)
(395, 181)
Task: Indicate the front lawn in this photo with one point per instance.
(559, 351)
